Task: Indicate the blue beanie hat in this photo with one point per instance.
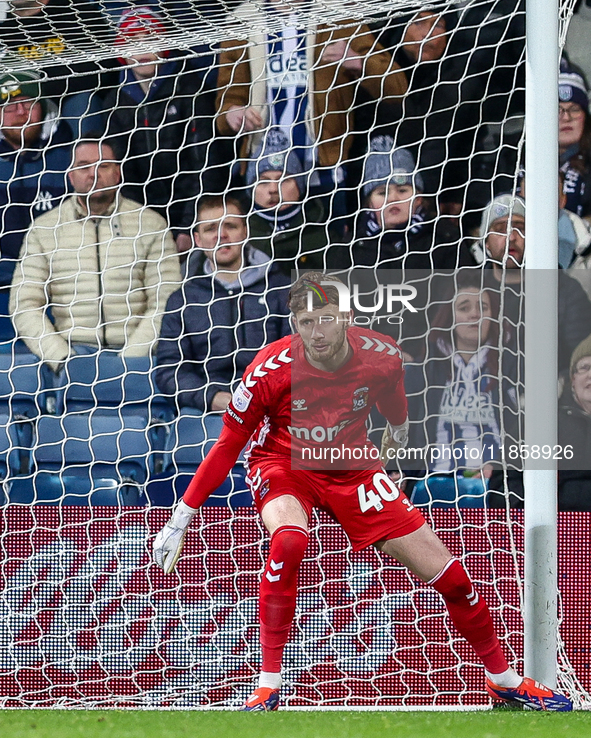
(572, 88)
(275, 154)
(386, 165)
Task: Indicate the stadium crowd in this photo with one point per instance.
(158, 203)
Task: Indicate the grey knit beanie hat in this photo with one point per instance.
(275, 154)
(386, 165)
(501, 207)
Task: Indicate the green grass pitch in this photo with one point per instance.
(317, 724)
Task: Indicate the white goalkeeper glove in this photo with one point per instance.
(393, 438)
(168, 544)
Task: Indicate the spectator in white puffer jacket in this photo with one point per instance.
(102, 263)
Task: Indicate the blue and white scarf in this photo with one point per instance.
(287, 86)
(574, 182)
(468, 433)
(281, 219)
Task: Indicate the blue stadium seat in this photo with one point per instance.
(191, 437)
(9, 457)
(449, 491)
(106, 382)
(21, 385)
(86, 459)
(23, 398)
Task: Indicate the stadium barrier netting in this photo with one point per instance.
(94, 451)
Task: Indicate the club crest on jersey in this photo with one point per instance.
(241, 398)
(360, 398)
(298, 405)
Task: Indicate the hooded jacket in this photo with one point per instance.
(212, 330)
(32, 181)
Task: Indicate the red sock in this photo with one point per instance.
(470, 614)
(277, 599)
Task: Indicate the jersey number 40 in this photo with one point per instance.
(384, 489)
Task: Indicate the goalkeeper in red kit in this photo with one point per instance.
(301, 410)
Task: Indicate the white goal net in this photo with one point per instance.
(165, 169)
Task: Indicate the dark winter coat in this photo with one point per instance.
(574, 325)
(574, 479)
(211, 331)
(574, 475)
(445, 105)
(441, 119)
(576, 168)
(304, 235)
(32, 181)
(165, 139)
(424, 247)
(430, 244)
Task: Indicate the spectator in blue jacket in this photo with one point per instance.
(233, 302)
(35, 154)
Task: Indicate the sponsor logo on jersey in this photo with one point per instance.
(264, 489)
(232, 414)
(360, 398)
(318, 433)
(241, 398)
(298, 405)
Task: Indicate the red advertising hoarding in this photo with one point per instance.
(87, 619)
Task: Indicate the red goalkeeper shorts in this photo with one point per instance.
(367, 504)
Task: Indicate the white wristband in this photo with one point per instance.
(399, 434)
(182, 516)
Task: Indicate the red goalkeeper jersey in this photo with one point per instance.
(291, 411)
(317, 418)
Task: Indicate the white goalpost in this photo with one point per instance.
(94, 453)
(541, 427)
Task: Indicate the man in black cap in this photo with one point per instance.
(35, 154)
